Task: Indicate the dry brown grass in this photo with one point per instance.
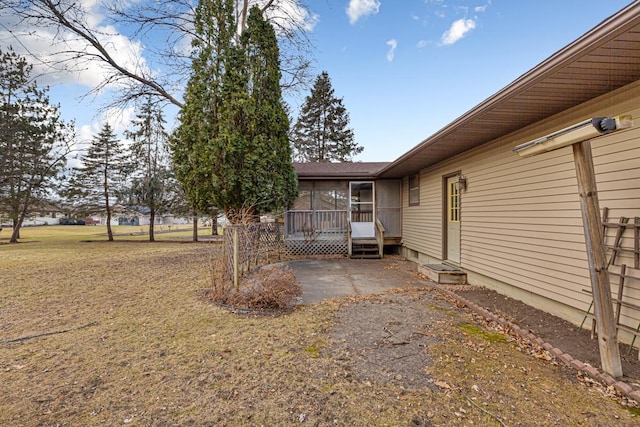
(161, 355)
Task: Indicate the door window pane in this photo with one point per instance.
(454, 202)
(361, 192)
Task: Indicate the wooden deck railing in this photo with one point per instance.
(313, 223)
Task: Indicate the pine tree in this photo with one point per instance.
(33, 140)
(190, 142)
(256, 174)
(151, 177)
(93, 185)
(239, 159)
(321, 133)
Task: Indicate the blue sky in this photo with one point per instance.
(397, 98)
(404, 68)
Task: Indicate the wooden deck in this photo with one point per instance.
(319, 233)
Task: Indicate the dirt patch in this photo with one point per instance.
(466, 371)
(387, 339)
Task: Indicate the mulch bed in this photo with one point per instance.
(552, 329)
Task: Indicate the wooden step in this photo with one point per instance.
(443, 274)
(364, 241)
(360, 250)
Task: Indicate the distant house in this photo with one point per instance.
(514, 225)
(141, 216)
(46, 213)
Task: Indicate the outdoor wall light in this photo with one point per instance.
(582, 131)
(461, 184)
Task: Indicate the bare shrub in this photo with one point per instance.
(221, 287)
(272, 287)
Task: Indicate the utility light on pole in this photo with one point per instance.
(579, 136)
(582, 131)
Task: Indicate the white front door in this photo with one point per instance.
(453, 220)
(361, 209)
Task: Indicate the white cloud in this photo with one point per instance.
(422, 43)
(288, 14)
(52, 53)
(119, 118)
(359, 8)
(483, 8)
(457, 31)
(393, 43)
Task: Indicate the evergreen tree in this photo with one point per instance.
(275, 176)
(321, 133)
(190, 142)
(150, 173)
(235, 125)
(254, 173)
(93, 185)
(33, 140)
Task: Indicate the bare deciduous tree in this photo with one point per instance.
(84, 38)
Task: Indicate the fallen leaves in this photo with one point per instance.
(442, 384)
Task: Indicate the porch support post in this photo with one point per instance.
(596, 253)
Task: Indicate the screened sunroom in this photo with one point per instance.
(342, 208)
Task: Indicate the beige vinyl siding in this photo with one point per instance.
(422, 225)
(521, 218)
(514, 201)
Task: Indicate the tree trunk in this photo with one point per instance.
(214, 224)
(195, 227)
(15, 235)
(152, 220)
(17, 222)
(243, 16)
(109, 232)
(15, 231)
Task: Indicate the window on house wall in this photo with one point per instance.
(414, 190)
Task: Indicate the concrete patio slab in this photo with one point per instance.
(340, 277)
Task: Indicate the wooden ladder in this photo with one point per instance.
(621, 226)
(616, 247)
(619, 303)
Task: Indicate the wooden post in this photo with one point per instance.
(600, 285)
(236, 259)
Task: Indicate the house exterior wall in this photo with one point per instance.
(521, 223)
(389, 206)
